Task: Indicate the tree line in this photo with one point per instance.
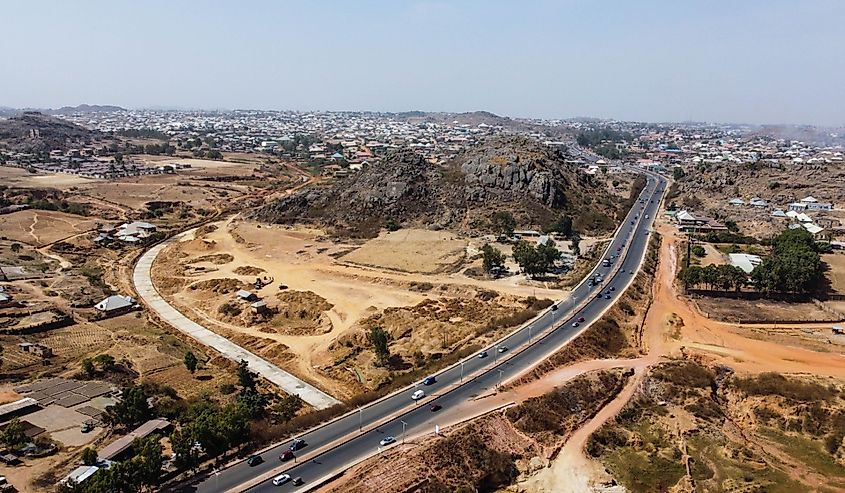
(793, 266)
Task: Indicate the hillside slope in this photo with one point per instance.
(34, 132)
(535, 183)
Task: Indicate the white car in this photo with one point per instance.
(281, 479)
(419, 394)
(386, 441)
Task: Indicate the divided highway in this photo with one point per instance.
(526, 347)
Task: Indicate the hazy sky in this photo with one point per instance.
(764, 61)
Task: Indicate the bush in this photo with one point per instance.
(685, 374)
(698, 251)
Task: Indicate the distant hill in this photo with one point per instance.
(85, 108)
(472, 118)
(516, 174)
(32, 131)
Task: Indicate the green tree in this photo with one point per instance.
(492, 258)
(576, 244)
(89, 456)
(88, 367)
(13, 434)
(549, 254)
(147, 462)
(246, 378)
(698, 251)
(253, 402)
(132, 409)
(185, 454)
(379, 338)
(191, 362)
(503, 223)
(287, 407)
(562, 225)
(530, 261)
(106, 362)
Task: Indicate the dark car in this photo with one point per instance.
(435, 407)
(429, 380)
(612, 288)
(580, 319)
(286, 456)
(297, 481)
(554, 308)
(607, 296)
(254, 460)
(598, 296)
(297, 444)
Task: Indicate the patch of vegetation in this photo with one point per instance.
(685, 374)
(776, 384)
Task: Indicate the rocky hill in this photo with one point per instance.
(35, 132)
(515, 174)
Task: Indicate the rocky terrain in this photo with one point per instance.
(533, 182)
(36, 132)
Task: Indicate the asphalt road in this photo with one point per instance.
(453, 388)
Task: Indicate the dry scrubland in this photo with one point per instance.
(43, 227)
(493, 451)
(323, 297)
(715, 431)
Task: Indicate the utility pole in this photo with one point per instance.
(499, 384)
(404, 424)
(462, 372)
(360, 419)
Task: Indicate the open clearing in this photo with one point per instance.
(320, 307)
(412, 250)
(38, 227)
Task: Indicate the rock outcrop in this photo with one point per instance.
(516, 174)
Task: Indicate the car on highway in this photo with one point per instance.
(254, 460)
(575, 324)
(419, 394)
(482, 354)
(286, 456)
(613, 288)
(297, 481)
(387, 441)
(607, 296)
(580, 319)
(502, 349)
(435, 407)
(281, 479)
(554, 307)
(429, 380)
(297, 444)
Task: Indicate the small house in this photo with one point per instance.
(245, 295)
(116, 304)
